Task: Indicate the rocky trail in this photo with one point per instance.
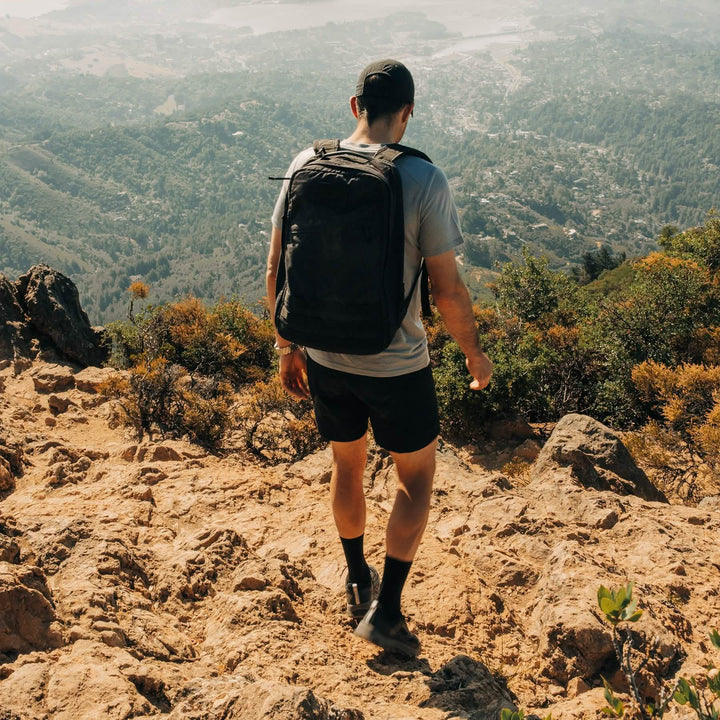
(154, 579)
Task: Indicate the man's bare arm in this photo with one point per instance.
(293, 367)
(453, 301)
(271, 272)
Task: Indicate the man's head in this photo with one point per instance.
(383, 88)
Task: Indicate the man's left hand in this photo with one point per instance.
(293, 374)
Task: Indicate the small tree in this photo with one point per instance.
(531, 290)
(698, 243)
(620, 608)
(138, 291)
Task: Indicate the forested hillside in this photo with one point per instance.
(159, 171)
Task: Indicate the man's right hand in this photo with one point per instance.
(481, 368)
(293, 374)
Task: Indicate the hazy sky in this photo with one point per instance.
(29, 8)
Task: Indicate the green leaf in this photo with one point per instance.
(616, 707)
(714, 684)
(628, 610)
(620, 597)
(682, 694)
(635, 617)
(608, 606)
(715, 637)
(507, 714)
(602, 592)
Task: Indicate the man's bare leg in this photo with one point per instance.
(384, 623)
(347, 494)
(406, 525)
(348, 504)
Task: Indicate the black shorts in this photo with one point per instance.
(402, 410)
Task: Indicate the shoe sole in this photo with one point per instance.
(371, 634)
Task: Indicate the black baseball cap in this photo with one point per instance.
(391, 81)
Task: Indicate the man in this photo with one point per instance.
(393, 389)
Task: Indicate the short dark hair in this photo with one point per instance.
(375, 108)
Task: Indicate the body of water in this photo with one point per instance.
(468, 17)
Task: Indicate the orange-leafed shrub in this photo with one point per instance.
(158, 397)
(273, 426)
(226, 340)
(686, 399)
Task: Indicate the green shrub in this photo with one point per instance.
(226, 340)
(158, 396)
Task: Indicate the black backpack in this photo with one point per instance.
(340, 278)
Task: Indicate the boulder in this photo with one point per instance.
(236, 698)
(52, 378)
(7, 480)
(87, 682)
(52, 306)
(15, 336)
(27, 615)
(58, 404)
(11, 464)
(9, 548)
(596, 458)
(91, 379)
(158, 453)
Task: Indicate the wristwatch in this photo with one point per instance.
(286, 349)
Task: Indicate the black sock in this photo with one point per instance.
(358, 570)
(393, 581)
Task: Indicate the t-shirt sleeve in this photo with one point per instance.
(439, 229)
(279, 208)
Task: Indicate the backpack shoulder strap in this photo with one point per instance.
(390, 153)
(325, 146)
(393, 151)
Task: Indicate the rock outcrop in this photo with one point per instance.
(28, 617)
(15, 335)
(41, 312)
(595, 456)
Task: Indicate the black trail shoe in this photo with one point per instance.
(359, 597)
(389, 634)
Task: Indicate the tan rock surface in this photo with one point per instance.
(184, 584)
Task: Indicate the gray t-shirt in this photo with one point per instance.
(431, 228)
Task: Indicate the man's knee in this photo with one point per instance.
(419, 464)
(349, 459)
